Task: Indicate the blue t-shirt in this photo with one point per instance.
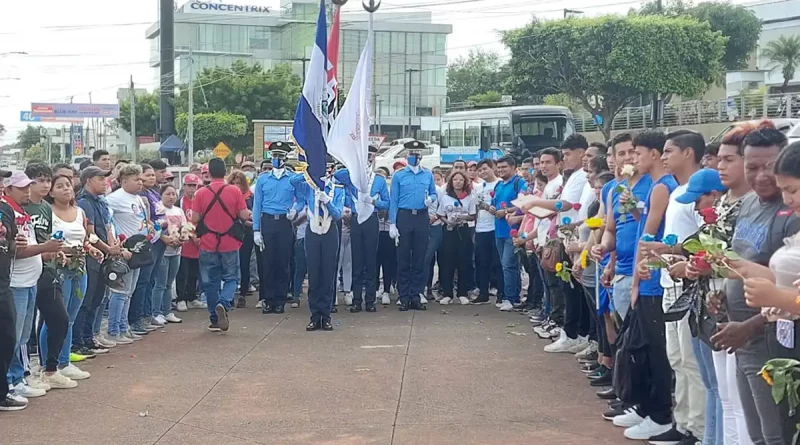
(652, 287)
(604, 198)
(627, 242)
(505, 192)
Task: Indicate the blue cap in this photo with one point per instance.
(702, 182)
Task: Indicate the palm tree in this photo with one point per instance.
(784, 52)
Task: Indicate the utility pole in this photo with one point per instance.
(190, 117)
(656, 103)
(133, 123)
(380, 108)
(410, 71)
(167, 69)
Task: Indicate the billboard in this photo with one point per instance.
(27, 116)
(75, 110)
(76, 139)
(276, 133)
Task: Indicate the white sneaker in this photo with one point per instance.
(422, 299)
(348, 299)
(120, 339)
(629, 419)
(463, 300)
(74, 373)
(182, 307)
(582, 344)
(103, 341)
(21, 389)
(18, 398)
(171, 318)
(399, 303)
(59, 381)
(385, 300)
(260, 304)
(197, 304)
(34, 381)
(586, 352)
(493, 291)
(499, 305)
(563, 344)
(506, 306)
(295, 304)
(445, 301)
(158, 321)
(646, 429)
(251, 288)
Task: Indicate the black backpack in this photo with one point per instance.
(236, 231)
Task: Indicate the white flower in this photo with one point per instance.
(628, 170)
(93, 239)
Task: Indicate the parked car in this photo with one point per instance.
(784, 125)
(430, 156)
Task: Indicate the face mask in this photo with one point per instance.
(250, 175)
(413, 160)
(278, 172)
(277, 163)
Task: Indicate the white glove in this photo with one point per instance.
(393, 232)
(258, 240)
(366, 199)
(322, 197)
(291, 214)
(428, 200)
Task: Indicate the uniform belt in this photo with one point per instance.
(275, 217)
(413, 211)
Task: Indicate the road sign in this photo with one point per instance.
(27, 116)
(376, 140)
(76, 138)
(222, 150)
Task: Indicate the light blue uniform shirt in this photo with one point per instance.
(409, 191)
(273, 196)
(379, 188)
(307, 198)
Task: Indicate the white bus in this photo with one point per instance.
(492, 132)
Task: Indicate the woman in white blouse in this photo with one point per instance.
(457, 207)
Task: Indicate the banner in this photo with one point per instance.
(76, 139)
(75, 110)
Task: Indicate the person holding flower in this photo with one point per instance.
(487, 261)
(174, 220)
(457, 207)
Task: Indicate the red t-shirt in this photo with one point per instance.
(189, 249)
(216, 219)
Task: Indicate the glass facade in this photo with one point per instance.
(410, 67)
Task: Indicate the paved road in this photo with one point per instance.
(459, 377)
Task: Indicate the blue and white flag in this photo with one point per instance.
(349, 135)
(311, 119)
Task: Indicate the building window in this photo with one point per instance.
(441, 45)
(382, 42)
(413, 43)
(399, 42)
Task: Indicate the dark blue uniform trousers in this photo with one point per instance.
(321, 261)
(364, 244)
(278, 238)
(414, 228)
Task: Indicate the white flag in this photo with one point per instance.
(348, 138)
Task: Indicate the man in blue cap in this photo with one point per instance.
(703, 189)
(413, 188)
(273, 213)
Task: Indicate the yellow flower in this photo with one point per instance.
(559, 267)
(584, 258)
(594, 223)
(765, 375)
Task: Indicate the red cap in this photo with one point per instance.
(204, 168)
(169, 175)
(400, 162)
(191, 178)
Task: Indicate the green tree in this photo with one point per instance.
(213, 128)
(489, 97)
(561, 100)
(784, 53)
(477, 73)
(739, 24)
(147, 114)
(606, 62)
(34, 153)
(29, 137)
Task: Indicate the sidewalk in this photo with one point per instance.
(401, 378)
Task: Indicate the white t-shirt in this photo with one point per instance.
(485, 221)
(587, 199)
(25, 272)
(572, 193)
(681, 220)
(177, 219)
(449, 205)
(433, 207)
(550, 192)
(128, 214)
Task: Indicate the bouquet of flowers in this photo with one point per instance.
(710, 250)
(624, 208)
(187, 232)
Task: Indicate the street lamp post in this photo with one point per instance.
(410, 71)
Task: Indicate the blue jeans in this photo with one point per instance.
(142, 298)
(165, 278)
(119, 303)
(512, 282)
(25, 302)
(216, 267)
(300, 267)
(73, 289)
(714, 431)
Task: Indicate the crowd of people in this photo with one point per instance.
(664, 264)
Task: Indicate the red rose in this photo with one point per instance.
(122, 237)
(503, 205)
(514, 233)
(709, 215)
(491, 193)
(149, 237)
(699, 261)
(576, 206)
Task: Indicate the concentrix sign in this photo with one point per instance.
(223, 7)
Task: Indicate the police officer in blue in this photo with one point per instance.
(412, 190)
(325, 208)
(273, 212)
(364, 236)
